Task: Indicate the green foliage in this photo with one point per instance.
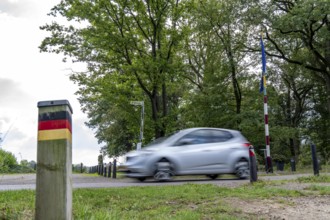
(314, 179)
(7, 160)
(305, 157)
(20, 169)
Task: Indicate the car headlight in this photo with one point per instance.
(137, 156)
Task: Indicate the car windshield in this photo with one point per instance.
(161, 139)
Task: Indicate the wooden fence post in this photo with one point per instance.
(109, 171)
(114, 173)
(105, 170)
(54, 161)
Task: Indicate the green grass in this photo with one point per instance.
(314, 179)
(188, 201)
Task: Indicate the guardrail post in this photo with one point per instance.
(54, 159)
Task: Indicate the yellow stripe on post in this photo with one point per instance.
(48, 135)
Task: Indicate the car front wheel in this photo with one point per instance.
(164, 170)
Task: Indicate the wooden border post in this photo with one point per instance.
(54, 161)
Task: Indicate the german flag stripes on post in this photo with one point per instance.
(54, 123)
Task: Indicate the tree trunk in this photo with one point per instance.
(158, 113)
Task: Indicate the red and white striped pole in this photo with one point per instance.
(268, 158)
(263, 88)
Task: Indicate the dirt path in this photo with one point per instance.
(310, 207)
(299, 208)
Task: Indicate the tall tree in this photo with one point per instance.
(138, 39)
(294, 93)
(216, 59)
(307, 22)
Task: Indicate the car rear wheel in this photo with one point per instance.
(164, 170)
(242, 170)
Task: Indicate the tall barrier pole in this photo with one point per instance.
(54, 161)
(263, 89)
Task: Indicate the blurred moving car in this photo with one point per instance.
(193, 151)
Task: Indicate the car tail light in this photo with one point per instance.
(246, 144)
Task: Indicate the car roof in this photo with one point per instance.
(235, 133)
(211, 128)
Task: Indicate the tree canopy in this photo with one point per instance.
(198, 63)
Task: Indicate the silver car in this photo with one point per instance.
(193, 151)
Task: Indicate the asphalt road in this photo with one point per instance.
(28, 181)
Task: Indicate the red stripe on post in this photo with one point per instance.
(265, 99)
(54, 124)
(266, 119)
(267, 140)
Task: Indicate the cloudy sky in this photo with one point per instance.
(28, 76)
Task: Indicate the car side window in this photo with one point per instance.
(221, 136)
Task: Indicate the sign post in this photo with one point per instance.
(140, 103)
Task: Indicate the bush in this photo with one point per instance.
(7, 160)
(20, 169)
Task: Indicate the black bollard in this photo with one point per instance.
(114, 175)
(269, 165)
(109, 171)
(293, 165)
(315, 161)
(253, 165)
(105, 170)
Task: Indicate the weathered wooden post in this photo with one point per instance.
(54, 161)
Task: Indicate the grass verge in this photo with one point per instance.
(188, 201)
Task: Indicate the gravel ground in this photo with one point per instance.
(299, 208)
(311, 207)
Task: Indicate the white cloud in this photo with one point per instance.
(28, 76)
